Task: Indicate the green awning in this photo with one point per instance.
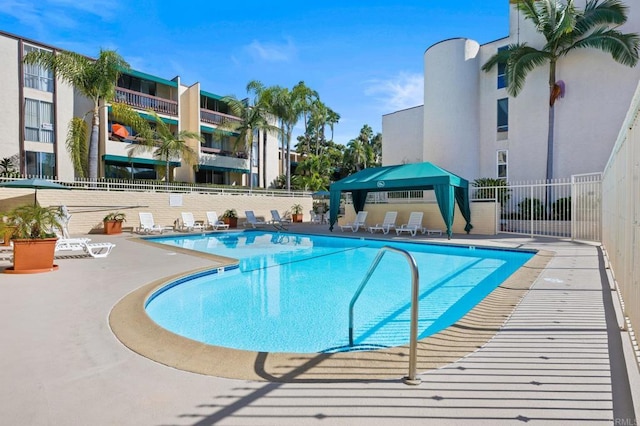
(449, 188)
(222, 169)
(211, 129)
(150, 77)
(138, 160)
(211, 95)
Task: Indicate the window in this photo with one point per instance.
(502, 71)
(36, 76)
(502, 164)
(255, 152)
(38, 121)
(41, 164)
(503, 115)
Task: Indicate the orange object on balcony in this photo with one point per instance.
(119, 130)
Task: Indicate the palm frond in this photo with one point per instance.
(77, 145)
(622, 47)
(520, 63)
(596, 13)
(501, 57)
(530, 11)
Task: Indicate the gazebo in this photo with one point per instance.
(449, 188)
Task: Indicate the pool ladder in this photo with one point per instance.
(411, 379)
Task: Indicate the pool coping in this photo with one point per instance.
(131, 325)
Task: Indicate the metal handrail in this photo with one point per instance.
(415, 290)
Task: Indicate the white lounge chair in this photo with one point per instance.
(147, 225)
(388, 223)
(214, 222)
(413, 225)
(361, 217)
(431, 231)
(95, 250)
(252, 220)
(315, 217)
(189, 223)
(277, 221)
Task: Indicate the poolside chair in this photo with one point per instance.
(147, 225)
(388, 223)
(315, 217)
(214, 222)
(413, 225)
(189, 223)
(95, 250)
(356, 224)
(252, 220)
(277, 221)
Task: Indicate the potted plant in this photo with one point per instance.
(230, 217)
(296, 213)
(34, 238)
(6, 230)
(113, 223)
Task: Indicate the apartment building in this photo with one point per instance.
(37, 109)
(470, 126)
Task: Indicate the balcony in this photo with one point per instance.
(224, 162)
(217, 118)
(144, 102)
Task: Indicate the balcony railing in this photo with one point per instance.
(143, 101)
(217, 118)
(223, 161)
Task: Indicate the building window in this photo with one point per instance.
(36, 76)
(502, 164)
(41, 164)
(502, 71)
(255, 151)
(38, 119)
(503, 115)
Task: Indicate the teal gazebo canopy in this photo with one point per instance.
(449, 188)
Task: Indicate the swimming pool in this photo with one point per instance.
(291, 292)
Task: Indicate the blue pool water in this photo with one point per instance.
(291, 292)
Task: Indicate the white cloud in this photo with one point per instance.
(271, 52)
(405, 90)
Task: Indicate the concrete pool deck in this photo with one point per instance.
(557, 359)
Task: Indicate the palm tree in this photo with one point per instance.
(96, 80)
(565, 29)
(254, 118)
(164, 144)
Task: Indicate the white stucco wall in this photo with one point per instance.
(403, 135)
(9, 93)
(451, 124)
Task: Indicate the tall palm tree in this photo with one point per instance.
(254, 118)
(164, 144)
(96, 80)
(565, 29)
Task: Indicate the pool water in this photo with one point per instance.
(291, 292)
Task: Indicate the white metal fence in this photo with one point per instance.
(158, 186)
(567, 208)
(621, 213)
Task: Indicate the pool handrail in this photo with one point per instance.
(411, 379)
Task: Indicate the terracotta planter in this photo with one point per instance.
(33, 256)
(231, 221)
(296, 217)
(112, 227)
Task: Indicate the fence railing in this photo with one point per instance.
(158, 186)
(621, 213)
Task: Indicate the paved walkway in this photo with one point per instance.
(557, 360)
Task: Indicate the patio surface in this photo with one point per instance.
(558, 359)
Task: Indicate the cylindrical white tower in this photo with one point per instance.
(451, 119)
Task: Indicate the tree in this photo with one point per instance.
(94, 79)
(254, 118)
(565, 29)
(164, 144)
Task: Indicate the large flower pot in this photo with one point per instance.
(231, 221)
(297, 217)
(33, 256)
(112, 227)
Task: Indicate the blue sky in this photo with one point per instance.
(365, 59)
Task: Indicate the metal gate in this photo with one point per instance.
(565, 208)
